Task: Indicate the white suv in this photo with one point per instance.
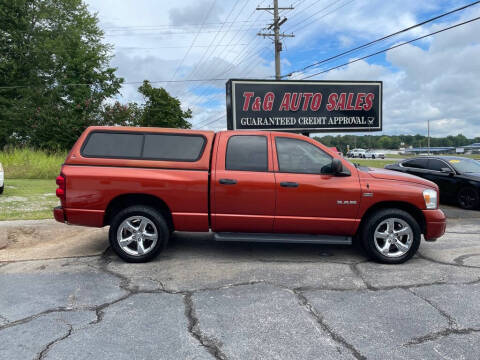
(356, 153)
(373, 154)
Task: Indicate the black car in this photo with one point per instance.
(457, 177)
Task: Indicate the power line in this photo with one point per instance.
(119, 28)
(213, 121)
(392, 47)
(194, 39)
(303, 24)
(383, 38)
(192, 72)
(221, 71)
(124, 83)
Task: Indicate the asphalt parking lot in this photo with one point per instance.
(206, 300)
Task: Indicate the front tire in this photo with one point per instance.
(138, 233)
(391, 236)
(468, 198)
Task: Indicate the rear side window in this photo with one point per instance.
(247, 153)
(115, 145)
(173, 147)
(416, 163)
(437, 165)
(169, 147)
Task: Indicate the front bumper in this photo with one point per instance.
(435, 224)
(59, 214)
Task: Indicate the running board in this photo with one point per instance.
(284, 238)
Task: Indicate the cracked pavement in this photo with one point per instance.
(205, 300)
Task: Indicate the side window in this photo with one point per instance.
(173, 147)
(416, 163)
(298, 156)
(247, 153)
(437, 165)
(113, 145)
(170, 147)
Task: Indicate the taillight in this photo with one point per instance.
(61, 191)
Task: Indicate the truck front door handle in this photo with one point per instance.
(289, 184)
(228, 181)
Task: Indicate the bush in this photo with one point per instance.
(31, 164)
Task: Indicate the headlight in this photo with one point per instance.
(430, 196)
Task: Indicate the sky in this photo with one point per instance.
(432, 79)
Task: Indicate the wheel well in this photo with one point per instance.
(409, 208)
(126, 200)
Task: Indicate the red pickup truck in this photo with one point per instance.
(243, 186)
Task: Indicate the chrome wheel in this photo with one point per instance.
(137, 235)
(393, 237)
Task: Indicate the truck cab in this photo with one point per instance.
(146, 183)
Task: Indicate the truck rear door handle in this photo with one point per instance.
(289, 184)
(228, 181)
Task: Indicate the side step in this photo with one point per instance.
(284, 238)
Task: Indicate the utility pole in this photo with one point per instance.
(276, 36)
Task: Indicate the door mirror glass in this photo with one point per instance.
(447, 170)
(336, 166)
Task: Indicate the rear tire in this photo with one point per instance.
(391, 236)
(467, 198)
(138, 233)
(1, 189)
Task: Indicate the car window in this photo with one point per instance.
(113, 145)
(170, 147)
(247, 153)
(173, 147)
(298, 156)
(437, 165)
(416, 163)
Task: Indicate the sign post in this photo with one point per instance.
(304, 106)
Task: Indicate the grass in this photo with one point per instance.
(31, 164)
(28, 199)
(372, 163)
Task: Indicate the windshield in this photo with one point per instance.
(465, 166)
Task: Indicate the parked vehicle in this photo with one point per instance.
(373, 154)
(458, 178)
(243, 186)
(356, 153)
(2, 179)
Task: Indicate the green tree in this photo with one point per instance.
(123, 115)
(161, 109)
(54, 72)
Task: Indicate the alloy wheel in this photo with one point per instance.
(393, 237)
(467, 198)
(137, 235)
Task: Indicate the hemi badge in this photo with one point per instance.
(368, 194)
(346, 202)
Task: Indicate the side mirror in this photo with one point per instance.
(448, 171)
(337, 168)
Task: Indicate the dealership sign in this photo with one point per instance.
(304, 106)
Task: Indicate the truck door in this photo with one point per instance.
(243, 183)
(309, 198)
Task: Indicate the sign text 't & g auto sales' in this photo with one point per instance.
(304, 105)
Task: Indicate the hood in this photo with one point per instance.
(471, 176)
(399, 176)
